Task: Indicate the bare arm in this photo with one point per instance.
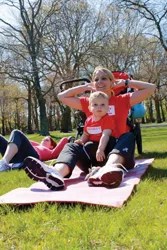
(34, 143)
(143, 90)
(69, 97)
(84, 138)
(100, 155)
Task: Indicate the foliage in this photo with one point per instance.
(51, 41)
(140, 224)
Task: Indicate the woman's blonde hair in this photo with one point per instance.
(104, 70)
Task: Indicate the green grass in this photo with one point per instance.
(140, 224)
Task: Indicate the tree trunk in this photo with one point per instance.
(158, 113)
(162, 111)
(29, 123)
(3, 131)
(66, 125)
(44, 127)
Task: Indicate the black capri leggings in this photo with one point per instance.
(25, 148)
(82, 156)
(85, 156)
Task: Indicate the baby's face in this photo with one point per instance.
(99, 106)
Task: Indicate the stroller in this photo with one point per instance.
(134, 119)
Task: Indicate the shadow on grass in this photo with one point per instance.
(158, 172)
(60, 206)
(156, 155)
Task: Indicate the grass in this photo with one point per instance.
(140, 224)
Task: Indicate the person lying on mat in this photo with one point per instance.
(97, 130)
(121, 154)
(18, 147)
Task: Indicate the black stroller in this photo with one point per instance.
(133, 120)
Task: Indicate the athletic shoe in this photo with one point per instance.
(108, 177)
(4, 166)
(92, 171)
(18, 165)
(39, 171)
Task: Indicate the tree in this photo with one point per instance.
(71, 36)
(155, 12)
(122, 46)
(12, 106)
(24, 41)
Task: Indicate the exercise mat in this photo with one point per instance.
(78, 191)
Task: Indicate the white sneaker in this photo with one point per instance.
(4, 166)
(16, 165)
(39, 171)
(108, 177)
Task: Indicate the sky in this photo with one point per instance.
(6, 13)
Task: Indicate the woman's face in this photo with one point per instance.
(46, 142)
(102, 82)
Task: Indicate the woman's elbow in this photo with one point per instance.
(152, 89)
(60, 97)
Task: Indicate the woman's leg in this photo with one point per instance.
(4, 163)
(120, 159)
(71, 154)
(7, 151)
(3, 145)
(91, 148)
(10, 152)
(123, 151)
(18, 148)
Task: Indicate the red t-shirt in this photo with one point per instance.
(95, 128)
(118, 108)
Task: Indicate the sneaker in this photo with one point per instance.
(39, 171)
(92, 171)
(18, 165)
(110, 178)
(4, 166)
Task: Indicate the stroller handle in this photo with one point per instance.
(73, 80)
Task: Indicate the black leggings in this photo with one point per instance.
(85, 156)
(25, 148)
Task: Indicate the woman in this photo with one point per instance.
(19, 147)
(121, 156)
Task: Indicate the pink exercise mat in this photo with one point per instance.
(78, 191)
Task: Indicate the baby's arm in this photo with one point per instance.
(100, 155)
(84, 138)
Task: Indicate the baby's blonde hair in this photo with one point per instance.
(98, 94)
(105, 71)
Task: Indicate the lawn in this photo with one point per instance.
(140, 224)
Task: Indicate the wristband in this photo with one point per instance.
(126, 83)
